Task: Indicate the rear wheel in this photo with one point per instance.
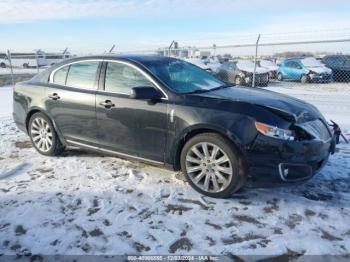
(25, 65)
(3, 65)
(43, 135)
(212, 165)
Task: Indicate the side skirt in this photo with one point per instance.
(122, 155)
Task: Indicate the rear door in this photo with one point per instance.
(71, 101)
(126, 125)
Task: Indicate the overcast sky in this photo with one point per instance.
(94, 26)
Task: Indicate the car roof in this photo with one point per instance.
(136, 59)
(129, 57)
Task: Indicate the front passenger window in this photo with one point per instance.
(121, 78)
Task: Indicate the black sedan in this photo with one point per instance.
(340, 65)
(168, 112)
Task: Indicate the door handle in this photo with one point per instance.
(54, 96)
(107, 104)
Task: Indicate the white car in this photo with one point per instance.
(269, 65)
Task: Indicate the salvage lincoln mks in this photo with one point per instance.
(172, 113)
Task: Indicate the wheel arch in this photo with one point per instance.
(187, 134)
(35, 110)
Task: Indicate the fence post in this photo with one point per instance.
(111, 50)
(255, 58)
(37, 61)
(10, 62)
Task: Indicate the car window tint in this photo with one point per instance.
(288, 64)
(121, 78)
(82, 75)
(60, 76)
(296, 65)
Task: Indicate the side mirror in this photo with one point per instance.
(145, 93)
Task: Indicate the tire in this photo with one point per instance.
(195, 165)
(279, 77)
(25, 65)
(41, 129)
(304, 79)
(3, 65)
(238, 81)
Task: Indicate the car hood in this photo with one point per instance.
(249, 69)
(301, 111)
(320, 69)
(270, 67)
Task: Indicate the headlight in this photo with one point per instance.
(274, 131)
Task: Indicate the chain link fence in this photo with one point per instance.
(253, 60)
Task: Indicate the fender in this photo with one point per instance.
(190, 131)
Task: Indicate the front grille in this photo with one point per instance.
(317, 129)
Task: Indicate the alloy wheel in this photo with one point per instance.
(209, 167)
(41, 133)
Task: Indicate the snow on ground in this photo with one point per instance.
(86, 203)
(5, 101)
(31, 71)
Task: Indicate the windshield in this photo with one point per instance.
(182, 77)
(245, 63)
(339, 60)
(267, 63)
(311, 62)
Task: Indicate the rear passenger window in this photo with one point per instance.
(60, 76)
(83, 75)
(121, 78)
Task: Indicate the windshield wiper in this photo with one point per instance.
(220, 87)
(199, 91)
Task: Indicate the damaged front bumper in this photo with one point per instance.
(274, 161)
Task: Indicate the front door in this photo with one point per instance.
(126, 125)
(71, 101)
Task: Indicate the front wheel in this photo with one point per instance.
(279, 77)
(43, 135)
(238, 81)
(212, 165)
(304, 79)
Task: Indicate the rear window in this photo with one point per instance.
(83, 75)
(60, 76)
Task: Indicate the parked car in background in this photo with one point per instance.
(304, 70)
(340, 65)
(269, 65)
(240, 73)
(169, 112)
(3, 60)
(210, 65)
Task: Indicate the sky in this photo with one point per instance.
(87, 26)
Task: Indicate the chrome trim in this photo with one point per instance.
(285, 179)
(172, 115)
(113, 61)
(113, 152)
